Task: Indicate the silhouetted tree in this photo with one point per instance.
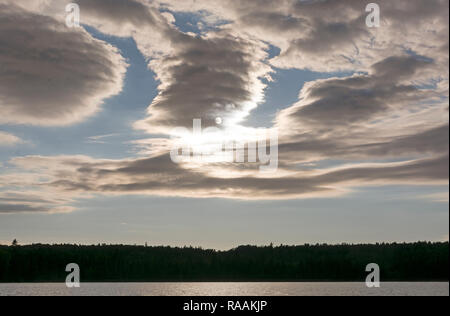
(399, 262)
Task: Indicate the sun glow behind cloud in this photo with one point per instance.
(389, 109)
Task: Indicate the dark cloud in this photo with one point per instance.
(396, 68)
(279, 22)
(50, 74)
(159, 176)
(327, 37)
(205, 78)
(434, 141)
(311, 147)
(121, 11)
(30, 208)
(433, 169)
(21, 208)
(356, 99)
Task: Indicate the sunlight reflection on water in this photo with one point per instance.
(226, 289)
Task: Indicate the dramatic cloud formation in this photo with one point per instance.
(332, 35)
(50, 74)
(158, 176)
(206, 78)
(217, 74)
(340, 103)
(379, 118)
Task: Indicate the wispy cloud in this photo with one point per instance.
(442, 197)
(7, 139)
(99, 139)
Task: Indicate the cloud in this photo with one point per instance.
(383, 114)
(33, 202)
(330, 35)
(433, 141)
(342, 102)
(312, 147)
(159, 176)
(384, 122)
(50, 74)
(217, 74)
(442, 197)
(130, 18)
(23, 208)
(205, 78)
(7, 139)
(99, 139)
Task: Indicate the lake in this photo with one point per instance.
(226, 289)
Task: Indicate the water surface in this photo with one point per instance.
(226, 289)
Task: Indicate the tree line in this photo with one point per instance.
(115, 263)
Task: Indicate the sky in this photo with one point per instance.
(349, 120)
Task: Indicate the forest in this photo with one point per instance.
(420, 261)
